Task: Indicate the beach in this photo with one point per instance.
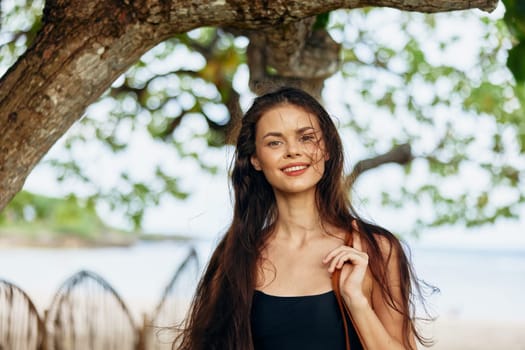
(480, 305)
(458, 334)
(481, 280)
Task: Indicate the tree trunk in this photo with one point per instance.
(84, 46)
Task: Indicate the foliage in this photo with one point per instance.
(399, 87)
(28, 213)
(460, 116)
(515, 20)
(20, 21)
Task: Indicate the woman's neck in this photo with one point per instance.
(298, 219)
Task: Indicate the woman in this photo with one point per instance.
(268, 283)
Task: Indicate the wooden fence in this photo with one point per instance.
(88, 314)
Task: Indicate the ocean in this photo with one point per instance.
(477, 282)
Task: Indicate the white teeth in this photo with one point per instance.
(294, 168)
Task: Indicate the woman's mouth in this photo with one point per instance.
(295, 169)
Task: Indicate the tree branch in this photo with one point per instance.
(296, 50)
(84, 46)
(261, 80)
(234, 108)
(260, 14)
(401, 154)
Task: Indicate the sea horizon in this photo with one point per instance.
(478, 280)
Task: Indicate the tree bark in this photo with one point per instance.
(84, 46)
(401, 154)
(301, 57)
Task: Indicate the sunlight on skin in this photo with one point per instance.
(289, 149)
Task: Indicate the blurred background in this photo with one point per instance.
(142, 178)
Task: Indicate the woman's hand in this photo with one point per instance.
(355, 284)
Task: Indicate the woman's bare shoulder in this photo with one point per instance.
(389, 245)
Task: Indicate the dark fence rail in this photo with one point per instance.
(87, 313)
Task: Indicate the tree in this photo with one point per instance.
(80, 51)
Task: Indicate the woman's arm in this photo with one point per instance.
(379, 325)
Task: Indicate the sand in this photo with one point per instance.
(458, 334)
(449, 333)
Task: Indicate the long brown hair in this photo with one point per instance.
(219, 317)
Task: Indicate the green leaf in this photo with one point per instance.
(516, 62)
(321, 21)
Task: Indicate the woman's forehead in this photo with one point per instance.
(287, 117)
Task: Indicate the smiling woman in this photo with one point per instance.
(289, 149)
(290, 233)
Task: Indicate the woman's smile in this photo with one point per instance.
(289, 142)
(295, 169)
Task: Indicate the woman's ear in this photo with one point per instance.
(255, 162)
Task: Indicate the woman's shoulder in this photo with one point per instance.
(389, 246)
(383, 240)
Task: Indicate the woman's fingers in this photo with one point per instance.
(355, 255)
(340, 255)
(338, 261)
(335, 252)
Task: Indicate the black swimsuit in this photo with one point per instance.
(310, 322)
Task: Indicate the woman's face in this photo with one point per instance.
(289, 149)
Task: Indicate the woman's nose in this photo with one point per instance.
(292, 150)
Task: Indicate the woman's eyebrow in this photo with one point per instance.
(298, 131)
(273, 133)
(306, 128)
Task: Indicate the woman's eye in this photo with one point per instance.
(274, 143)
(307, 137)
